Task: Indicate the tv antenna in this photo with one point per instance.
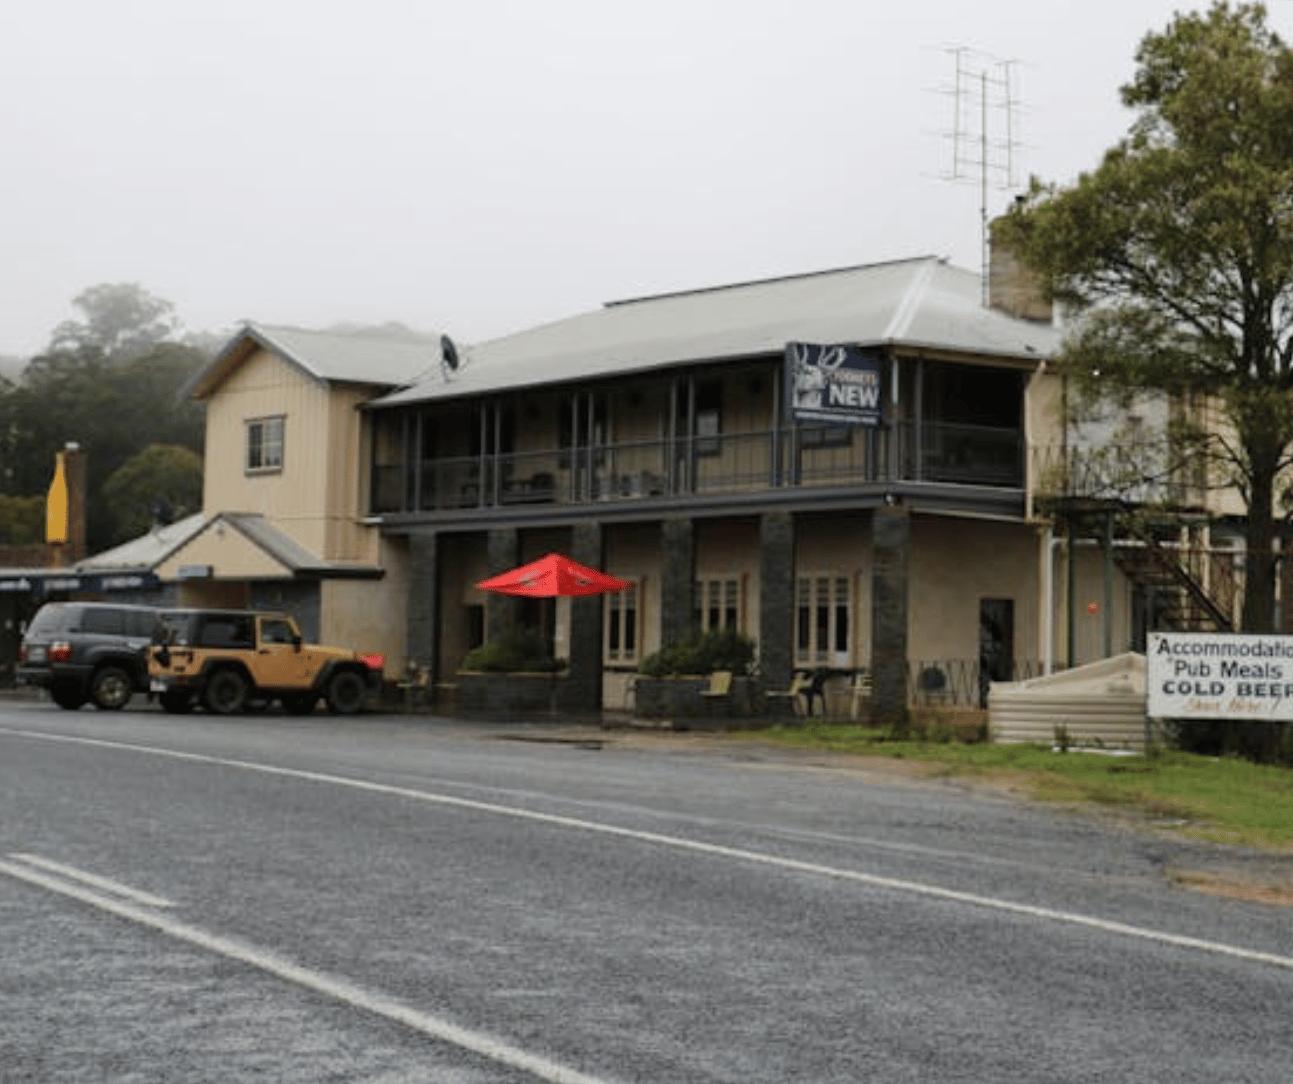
(984, 135)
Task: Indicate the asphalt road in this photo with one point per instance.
(390, 899)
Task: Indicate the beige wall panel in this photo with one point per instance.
(1088, 607)
(633, 552)
(366, 615)
(957, 562)
(229, 552)
(297, 499)
(727, 549)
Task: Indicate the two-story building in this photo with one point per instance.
(835, 464)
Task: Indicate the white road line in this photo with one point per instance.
(336, 988)
(1046, 914)
(104, 883)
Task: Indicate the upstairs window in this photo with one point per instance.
(264, 445)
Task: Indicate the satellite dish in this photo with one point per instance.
(448, 354)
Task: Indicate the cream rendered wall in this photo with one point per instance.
(731, 549)
(315, 498)
(231, 553)
(370, 615)
(1088, 605)
(954, 564)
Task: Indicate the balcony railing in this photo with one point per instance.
(705, 465)
(1145, 472)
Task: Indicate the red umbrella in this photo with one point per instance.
(553, 575)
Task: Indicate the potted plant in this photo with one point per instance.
(672, 681)
(514, 672)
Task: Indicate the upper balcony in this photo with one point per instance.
(931, 464)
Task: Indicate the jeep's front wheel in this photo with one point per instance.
(110, 688)
(346, 693)
(226, 693)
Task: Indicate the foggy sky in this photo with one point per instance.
(479, 168)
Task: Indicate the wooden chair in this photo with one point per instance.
(800, 684)
(719, 691)
(859, 692)
(415, 686)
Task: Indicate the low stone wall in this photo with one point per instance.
(507, 695)
(683, 698)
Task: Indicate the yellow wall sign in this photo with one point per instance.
(56, 517)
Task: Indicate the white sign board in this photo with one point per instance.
(1199, 675)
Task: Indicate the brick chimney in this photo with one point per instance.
(1014, 288)
(74, 467)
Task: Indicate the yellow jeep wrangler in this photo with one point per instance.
(230, 660)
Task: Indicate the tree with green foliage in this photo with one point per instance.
(22, 520)
(1176, 255)
(161, 484)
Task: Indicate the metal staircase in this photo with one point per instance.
(1187, 589)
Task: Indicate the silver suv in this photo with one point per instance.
(85, 652)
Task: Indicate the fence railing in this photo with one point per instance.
(723, 463)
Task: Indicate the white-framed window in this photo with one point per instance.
(623, 629)
(720, 604)
(823, 619)
(264, 445)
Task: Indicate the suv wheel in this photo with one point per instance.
(226, 692)
(346, 693)
(68, 697)
(110, 688)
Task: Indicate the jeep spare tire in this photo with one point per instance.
(346, 693)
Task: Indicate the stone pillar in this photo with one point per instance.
(776, 599)
(891, 555)
(583, 685)
(503, 552)
(678, 580)
(422, 625)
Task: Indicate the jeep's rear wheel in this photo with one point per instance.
(67, 696)
(110, 688)
(346, 693)
(226, 692)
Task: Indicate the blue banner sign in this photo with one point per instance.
(832, 385)
(42, 581)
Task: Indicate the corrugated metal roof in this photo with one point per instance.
(147, 551)
(336, 357)
(917, 303)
